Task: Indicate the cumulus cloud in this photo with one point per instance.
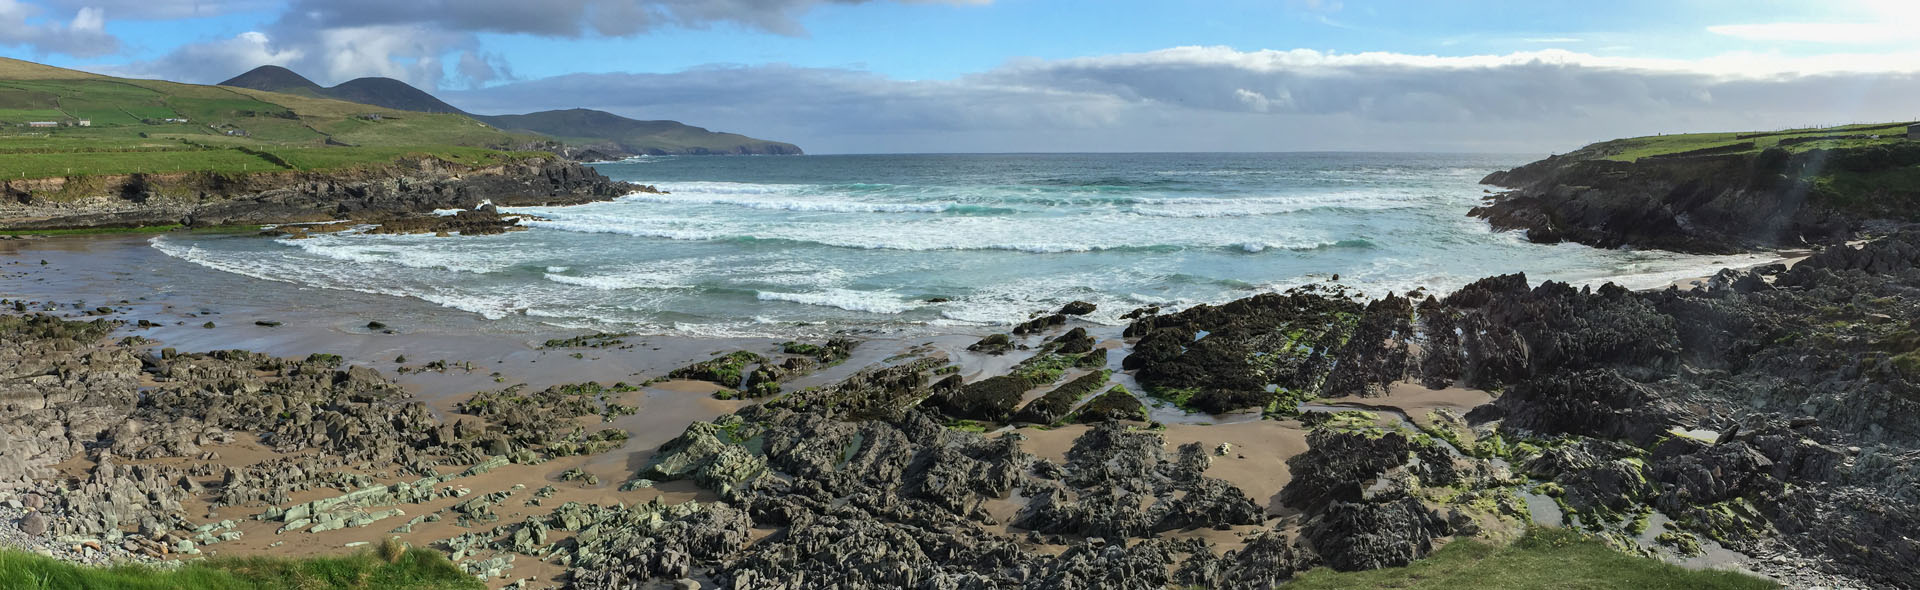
(1202, 98)
(164, 9)
(83, 36)
(566, 18)
(410, 53)
(417, 41)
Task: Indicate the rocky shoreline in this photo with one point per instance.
(1752, 414)
(410, 189)
(1761, 421)
(1710, 203)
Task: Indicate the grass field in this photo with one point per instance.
(1544, 558)
(228, 130)
(1796, 140)
(407, 569)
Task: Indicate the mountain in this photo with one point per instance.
(380, 92)
(390, 93)
(586, 133)
(276, 79)
(607, 132)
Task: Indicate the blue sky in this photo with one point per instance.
(1053, 75)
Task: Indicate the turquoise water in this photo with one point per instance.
(786, 245)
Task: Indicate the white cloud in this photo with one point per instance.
(565, 18)
(164, 9)
(417, 41)
(83, 36)
(1205, 98)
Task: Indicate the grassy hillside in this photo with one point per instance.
(1793, 140)
(156, 126)
(401, 569)
(1545, 558)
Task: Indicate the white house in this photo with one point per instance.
(42, 124)
(85, 123)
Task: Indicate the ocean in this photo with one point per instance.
(792, 246)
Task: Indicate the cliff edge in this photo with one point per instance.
(1715, 193)
(408, 187)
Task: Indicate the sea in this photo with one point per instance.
(797, 245)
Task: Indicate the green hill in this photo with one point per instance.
(1682, 145)
(583, 130)
(277, 79)
(57, 122)
(381, 92)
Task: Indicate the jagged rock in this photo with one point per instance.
(993, 344)
(1115, 404)
(33, 524)
(1054, 404)
(1078, 308)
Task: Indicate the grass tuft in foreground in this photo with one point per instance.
(1544, 558)
(393, 568)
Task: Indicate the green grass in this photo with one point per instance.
(132, 162)
(1544, 558)
(1628, 150)
(1855, 188)
(281, 131)
(414, 569)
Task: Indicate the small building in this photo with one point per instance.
(372, 116)
(176, 120)
(43, 124)
(84, 123)
(1913, 131)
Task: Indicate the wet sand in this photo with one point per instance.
(1256, 460)
(1415, 401)
(1788, 258)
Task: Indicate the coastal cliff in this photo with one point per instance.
(408, 187)
(1733, 195)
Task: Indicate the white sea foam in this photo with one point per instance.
(851, 300)
(753, 201)
(668, 274)
(734, 258)
(407, 251)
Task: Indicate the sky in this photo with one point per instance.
(872, 76)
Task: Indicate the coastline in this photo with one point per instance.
(1259, 459)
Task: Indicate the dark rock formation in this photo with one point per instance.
(404, 189)
(1708, 203)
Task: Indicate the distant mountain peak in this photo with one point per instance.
(380, 92)
(272, 79)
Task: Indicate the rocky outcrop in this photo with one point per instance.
(1706, 202)
(407, 188)
(1055, 404)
